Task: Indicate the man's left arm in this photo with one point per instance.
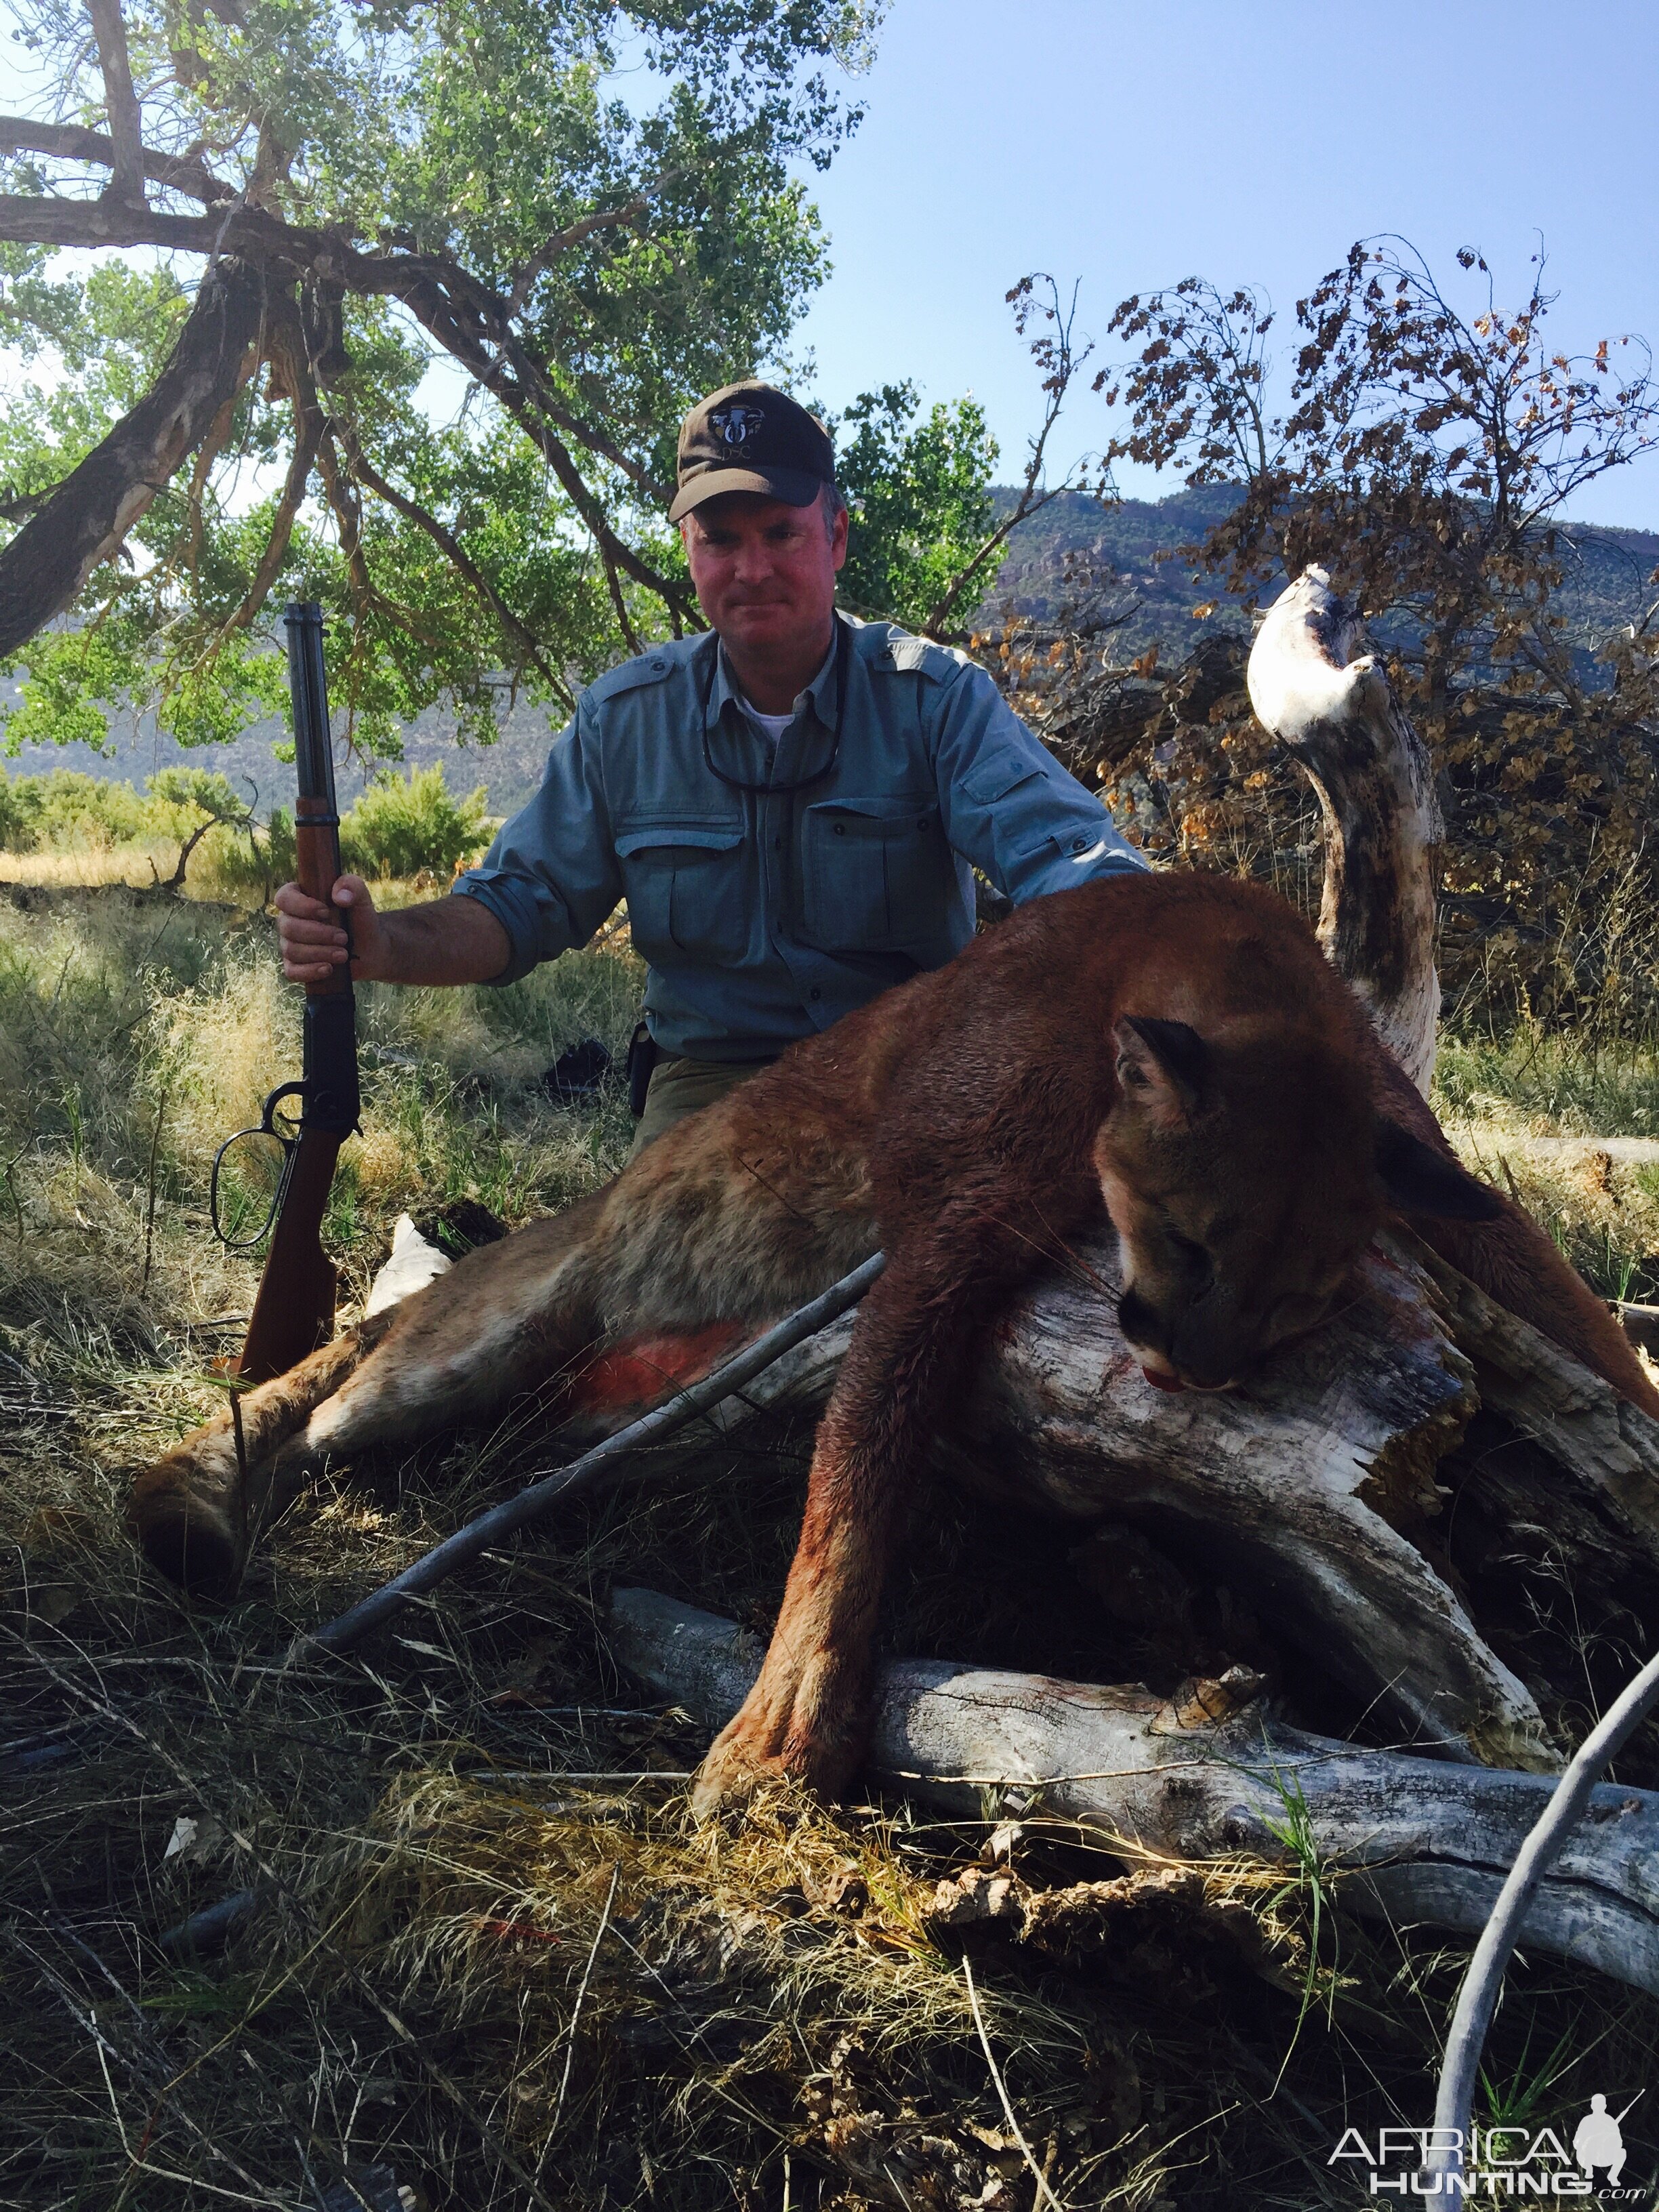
(1009, 807)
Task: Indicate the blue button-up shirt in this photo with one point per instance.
(772, 890)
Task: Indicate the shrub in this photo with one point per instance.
(20, 813)
(257, 860)
(75, 810)
(397, 829)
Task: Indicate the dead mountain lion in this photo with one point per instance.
(1175, 1044)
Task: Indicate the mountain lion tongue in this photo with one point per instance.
(1170, 1382)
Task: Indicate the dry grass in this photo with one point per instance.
(535, 1992)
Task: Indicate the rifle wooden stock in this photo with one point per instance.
(294, 1310)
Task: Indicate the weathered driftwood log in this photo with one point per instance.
(1314, 683)
(1315, 1485)
(1423, 1840)
(1326, 1486)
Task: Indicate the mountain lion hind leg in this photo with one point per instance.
(718, 1221)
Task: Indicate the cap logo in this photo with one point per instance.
(737, 423)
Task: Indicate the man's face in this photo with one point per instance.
(765, 571)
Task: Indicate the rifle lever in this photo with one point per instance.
(266, 1126)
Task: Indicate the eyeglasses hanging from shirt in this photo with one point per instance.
(767, 789)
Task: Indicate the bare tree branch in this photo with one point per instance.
(630, 636)
(1055, 356)
(288, 361)
(562, 241)
(342, 494)
(17, 506)
(90, 513)
(50, 221)
(464, 316)
(126, 122)
(66, 142)
(208, 452)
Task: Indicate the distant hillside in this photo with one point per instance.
(510, 770)
(1606, 582)
(1607, 572)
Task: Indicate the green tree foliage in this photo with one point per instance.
(920, 493)
(585, 212)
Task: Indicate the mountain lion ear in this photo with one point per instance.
(1161, 1067)
(1420, 1180)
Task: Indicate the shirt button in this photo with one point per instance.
(841, 829)
(815, 994)
(777, 844)
(1079, 844)
(659, 666)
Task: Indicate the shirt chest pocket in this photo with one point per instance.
(687, 889)
(874, 873)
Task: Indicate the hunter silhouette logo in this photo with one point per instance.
(737, 423)
(1597, 2141)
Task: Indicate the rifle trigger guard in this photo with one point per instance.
(266, 1126)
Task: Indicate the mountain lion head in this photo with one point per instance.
(1244, 1173)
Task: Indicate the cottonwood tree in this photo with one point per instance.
(314, 204)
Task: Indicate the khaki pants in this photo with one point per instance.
(679, 1087)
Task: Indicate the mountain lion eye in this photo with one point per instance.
(1193, 1257)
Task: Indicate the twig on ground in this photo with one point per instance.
(587, 1975)
(1043, 2190)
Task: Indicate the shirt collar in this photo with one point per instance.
(820, 691)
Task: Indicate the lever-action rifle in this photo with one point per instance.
(294, 1311)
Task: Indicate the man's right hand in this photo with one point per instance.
(313, 941)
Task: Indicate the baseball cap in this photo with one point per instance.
(751, 437)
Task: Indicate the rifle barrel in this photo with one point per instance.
(294, 1310)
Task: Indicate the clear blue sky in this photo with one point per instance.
(1130, 143)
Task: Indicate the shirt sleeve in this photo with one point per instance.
(551, 877)
(1009, 805)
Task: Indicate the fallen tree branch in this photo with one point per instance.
(1314, 1485)
(1410, 1840)
(529, 1505)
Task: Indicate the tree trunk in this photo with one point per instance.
(1408, 1840)
(89, 514)
(1326, 699)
